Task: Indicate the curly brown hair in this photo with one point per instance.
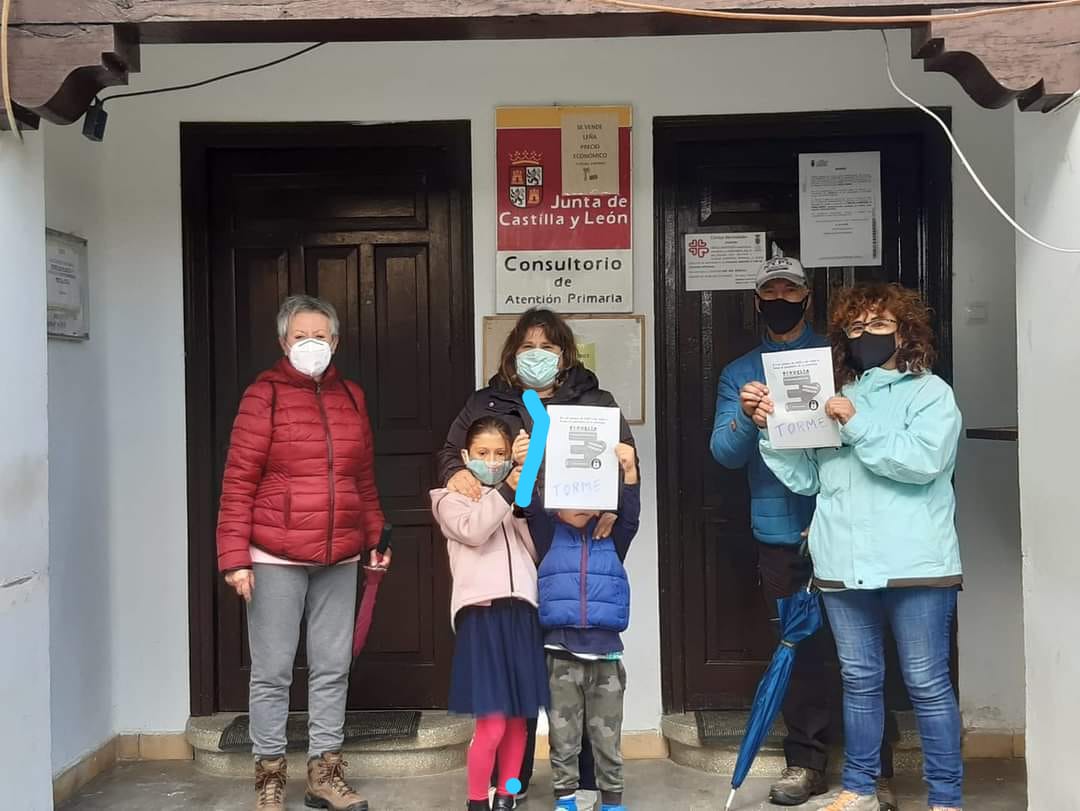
(555, 330)
(916, 354)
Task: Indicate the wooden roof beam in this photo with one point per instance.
(63, 52)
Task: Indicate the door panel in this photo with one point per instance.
(741, 174)
(374, 228)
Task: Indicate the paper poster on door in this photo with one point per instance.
(723, 261)
(800, 382)
(581, 470)
(840, 209)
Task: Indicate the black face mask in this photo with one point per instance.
(870, 351)
(782, 315)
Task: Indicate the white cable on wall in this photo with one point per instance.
(963, 159)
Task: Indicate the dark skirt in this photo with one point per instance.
(499, 664)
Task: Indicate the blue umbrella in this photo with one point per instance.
(800, 617)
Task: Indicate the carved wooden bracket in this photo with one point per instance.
(1032, 58)
(56, 70)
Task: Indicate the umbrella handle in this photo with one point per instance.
(730, 800)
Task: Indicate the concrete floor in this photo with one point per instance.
(651, 784)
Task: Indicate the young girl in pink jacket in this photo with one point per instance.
(498, 673)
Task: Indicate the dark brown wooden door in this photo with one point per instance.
(741, 174)
(376, 228)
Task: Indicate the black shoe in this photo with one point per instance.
(503, 803)
(797, 785)
(477, 805)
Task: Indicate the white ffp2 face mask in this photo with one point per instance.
(310, 356)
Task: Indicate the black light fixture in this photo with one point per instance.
(95, 120)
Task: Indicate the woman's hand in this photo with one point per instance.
(243, 581)
(465, 483)
(521, 448)
(380, 561)
(764, 408)
(514, 477)
(840, 409)
(604, 525)
(751, 395)
(628, 462)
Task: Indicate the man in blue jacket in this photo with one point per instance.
(779, 520)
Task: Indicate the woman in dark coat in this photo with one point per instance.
(540, 354)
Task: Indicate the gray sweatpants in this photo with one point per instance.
(283, 596)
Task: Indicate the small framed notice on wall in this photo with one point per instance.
(66, 284)
(611, 346)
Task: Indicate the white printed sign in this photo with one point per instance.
(840, 209)
(800, 382)
(581, 470)
(723, 261)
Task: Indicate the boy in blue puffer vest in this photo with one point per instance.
(584, 605)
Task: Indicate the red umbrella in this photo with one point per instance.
(373, 576)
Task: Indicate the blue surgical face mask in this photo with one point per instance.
(537, 368)
(489, 473)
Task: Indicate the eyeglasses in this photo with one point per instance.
(879, 326)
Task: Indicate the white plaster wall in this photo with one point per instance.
(1048, 296)
(138, 295)
(25, 779)
(78, 479)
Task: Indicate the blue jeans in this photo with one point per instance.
(921, 621)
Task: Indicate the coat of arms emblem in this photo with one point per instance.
(526, 179)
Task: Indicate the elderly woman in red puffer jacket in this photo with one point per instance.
(299, 509)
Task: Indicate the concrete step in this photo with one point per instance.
(686, 748)
(439, 746)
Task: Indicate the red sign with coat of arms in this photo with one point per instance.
(568, 251)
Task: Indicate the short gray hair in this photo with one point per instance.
(294, 305)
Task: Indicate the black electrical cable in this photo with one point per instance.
(213, 79)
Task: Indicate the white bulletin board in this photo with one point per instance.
(66, 285)
(612, 346)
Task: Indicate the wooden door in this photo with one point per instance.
(741, 174)
(374, 221)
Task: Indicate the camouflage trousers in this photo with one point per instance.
(586, 692)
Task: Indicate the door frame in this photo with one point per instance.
(197, 141)
(935, 231)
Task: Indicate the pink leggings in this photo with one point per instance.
(495, 735)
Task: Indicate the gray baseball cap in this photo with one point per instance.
(781, 267)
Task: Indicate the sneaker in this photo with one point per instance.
(566, 803)
(944, 808)
(327, 787)
(886, 795)
(850, 801)
(797, 785)
(503, 803)
(587, 799)
(270, 777)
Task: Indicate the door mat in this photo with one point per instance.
(717, 728)
(360, 727)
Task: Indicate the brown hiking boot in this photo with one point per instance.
(797, 785)
(270, 777)
(326, 786)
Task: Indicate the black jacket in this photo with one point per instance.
(499, 400)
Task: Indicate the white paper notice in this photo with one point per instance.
(840, 209)
(800, 382)
(581, 470)
(723, 261)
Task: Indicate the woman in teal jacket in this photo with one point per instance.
(883, 538)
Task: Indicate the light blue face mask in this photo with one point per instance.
(537, 368)
(489, 473)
